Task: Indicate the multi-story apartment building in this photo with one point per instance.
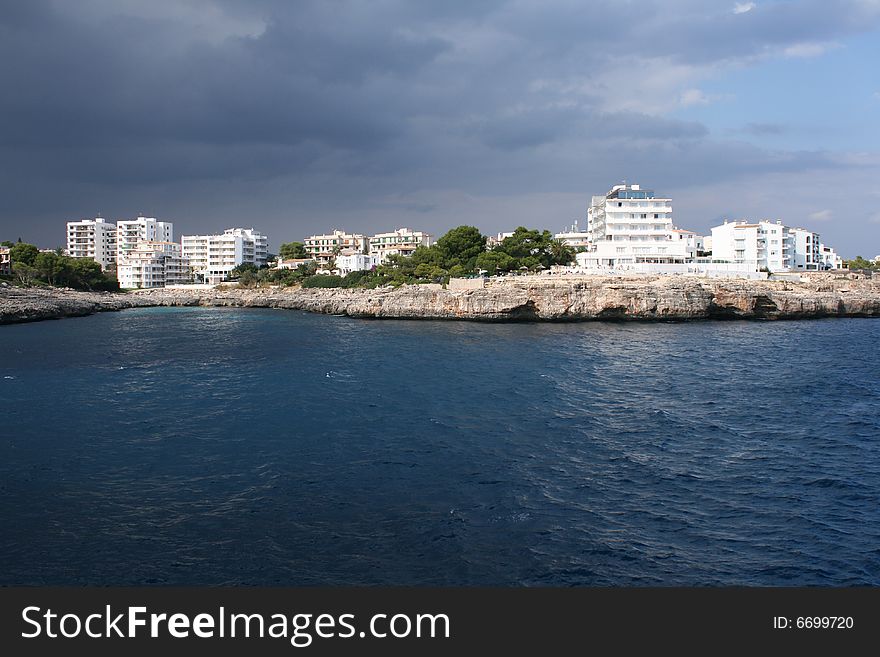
(403, 241)
(630, 225)
(762, 244)
(130, 233)
(5, 261)
(806, 253)
(324, 248)
(92, 238)
(153, 264)
(212, 257)
(772, 246)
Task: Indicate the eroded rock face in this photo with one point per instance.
(514, 299)
(33, 304)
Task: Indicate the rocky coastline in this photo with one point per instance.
(533, 298)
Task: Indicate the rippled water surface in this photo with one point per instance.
(222, 446)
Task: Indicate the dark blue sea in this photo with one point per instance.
(228, 446)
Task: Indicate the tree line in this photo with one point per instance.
(861, 263)
(30, 266)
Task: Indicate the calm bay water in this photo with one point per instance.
(222, 446)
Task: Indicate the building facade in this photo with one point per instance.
(350, 261)
(153, 264)
(772, 246)
(630, 225)
(212, 257)
(830, 259)
(693, 243)
(574, 237)
(130, 233)
(806, 253)
(92, 238)
(403, 241)
(5, 261)
(762, 245)
(325, 248)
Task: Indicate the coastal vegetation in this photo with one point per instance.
(30, 266)
(290, 250)
(861, 263)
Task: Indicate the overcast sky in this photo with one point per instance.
(298, 117)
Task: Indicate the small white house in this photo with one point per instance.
(349, 262)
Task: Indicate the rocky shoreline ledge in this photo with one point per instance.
(516, 299)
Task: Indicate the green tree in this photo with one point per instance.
(461, 246)
(25, 273)
(52, 268)
(24, 253)
(248, 278)
(307, 269)
(561, 253)
(86, 274)
(495, 261)
(534, 249)
(244, 268)
(291, 250)
(861, 263)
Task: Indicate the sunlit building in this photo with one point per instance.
(92, 238)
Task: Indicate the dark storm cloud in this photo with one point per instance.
(206, 107)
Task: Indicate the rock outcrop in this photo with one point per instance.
(34, 304)
(513, 299)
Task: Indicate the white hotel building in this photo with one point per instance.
(403, 241)
(631, 226)
(770, 245)
(212, 257)
(92, 238)
(130, 233)
(146, 254)
(152, 264)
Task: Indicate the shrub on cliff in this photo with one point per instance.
(322, 280)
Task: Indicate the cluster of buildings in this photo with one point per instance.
(627, 229)
(145, 254)
(630, 228)
(348, 252)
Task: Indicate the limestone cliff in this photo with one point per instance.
(517, 298)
